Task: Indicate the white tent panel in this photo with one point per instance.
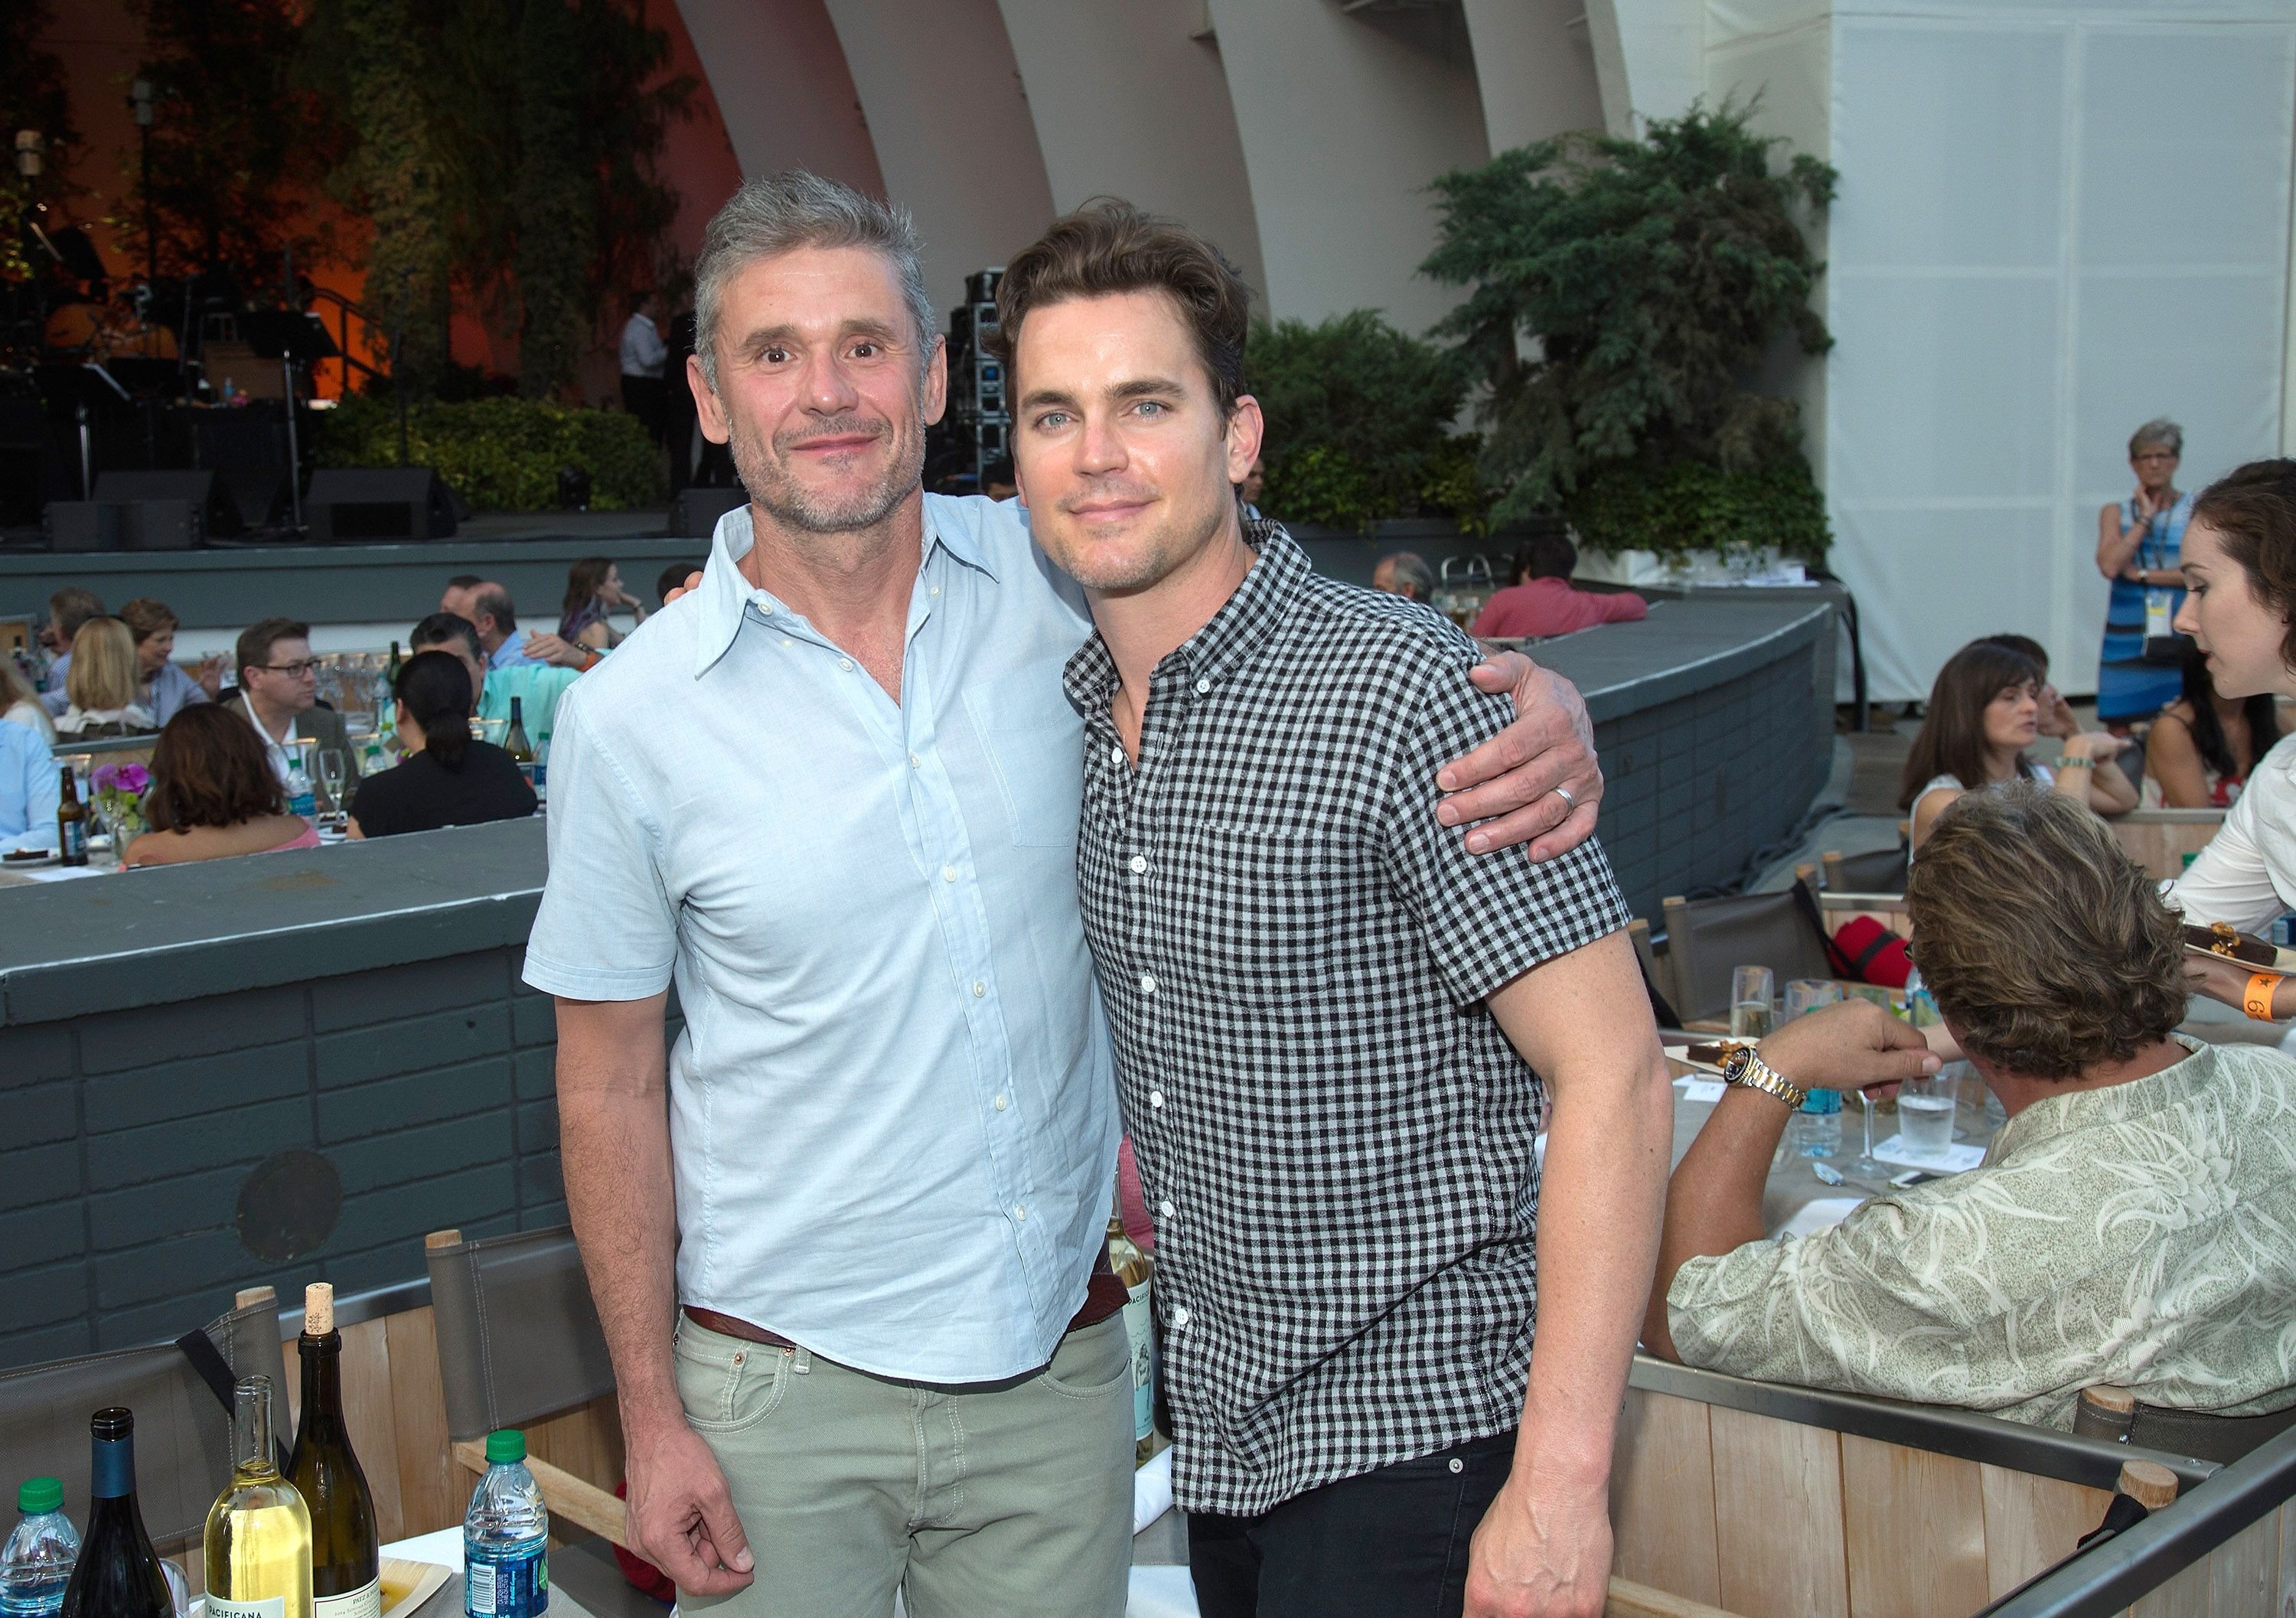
(1941, 575)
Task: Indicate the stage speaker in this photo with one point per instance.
(694, 513)
(203, 491)
(81, 525)
(369, 505)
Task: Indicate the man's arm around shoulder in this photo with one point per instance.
(614, 1128)
(1583, 1020)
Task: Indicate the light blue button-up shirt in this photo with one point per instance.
(893, 1117)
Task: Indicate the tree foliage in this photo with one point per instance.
(32, 96)
(1645, 279)
(502, 454)
(1357, 416)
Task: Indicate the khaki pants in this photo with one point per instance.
(1008, 1499)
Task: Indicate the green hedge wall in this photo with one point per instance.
(502, 454)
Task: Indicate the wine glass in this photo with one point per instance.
(1866, 1163)
(333, 772)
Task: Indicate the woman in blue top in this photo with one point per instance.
(2139, 543)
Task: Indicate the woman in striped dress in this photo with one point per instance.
(2139, 542)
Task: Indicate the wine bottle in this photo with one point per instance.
(118, 1574)
(345, 1547)
(1136, 1270)
(521, 750)
(72, 821)
(259, 1536)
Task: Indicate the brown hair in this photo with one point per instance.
(1952, 739)
(2045, 944)
(2254, 508)
(1108, 247)
(72, 606)
(103, 673)
(145, 618)
(208, 769)
(584, 581)
(256, 641)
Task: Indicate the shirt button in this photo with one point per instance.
(1000, 1103)
(935, 590)
(845, 663)
(1203, 686)
(1164, 1207)
(1155, 1098)
(915, 763)
(1139, 864)
(1179, 1317)
(1116, 753)
(979, 989)
(1020, 1213)
(949, 873)
(1147, 982)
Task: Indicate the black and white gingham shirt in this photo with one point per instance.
(1334, 1134)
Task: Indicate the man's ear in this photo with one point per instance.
(935, 388)
(709, 413)
(1245, 428)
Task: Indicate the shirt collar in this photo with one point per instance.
(1227, 640)
(2055, 1115)
(727, 595)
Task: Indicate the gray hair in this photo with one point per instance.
(1410, 569)
(779, 213)
(2160, 430)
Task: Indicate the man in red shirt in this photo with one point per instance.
(1541, 600)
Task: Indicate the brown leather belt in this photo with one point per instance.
(1103, 1296)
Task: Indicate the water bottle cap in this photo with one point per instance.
(507, 1445)
(40, 1495)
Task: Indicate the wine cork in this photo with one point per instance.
(2149, 1483)
(318, 1309)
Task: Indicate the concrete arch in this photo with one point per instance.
(1535, 67)
(777, 73)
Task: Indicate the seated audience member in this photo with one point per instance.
(165, 690)
(594, 591)
(279, 696)
(997, 479)
(19, 704)
(673, 578)
(536, 687)
(2129, 1224)
(68, 609)
(2202, 746)
(1404, 574)
(2058, 720)
(30, 788)
(1985, 710)
(101, 688)
(443, 779)
(487, 605)
(1540, 601)
(213, 795)
(1248, 492)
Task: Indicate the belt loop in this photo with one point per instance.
(803, 1358)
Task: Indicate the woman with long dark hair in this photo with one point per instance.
(1985, 710)
(594, 590)
(214, 795)
(2203, 744)
(443, 779)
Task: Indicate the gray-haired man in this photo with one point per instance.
(833, 793)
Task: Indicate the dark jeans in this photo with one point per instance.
(1385, 1544)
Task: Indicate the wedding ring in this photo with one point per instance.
(1563, 793)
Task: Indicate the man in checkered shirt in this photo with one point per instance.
(1337, 1032)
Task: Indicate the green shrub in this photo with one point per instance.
(502, 454)
(1691, 505)
(1358, 417)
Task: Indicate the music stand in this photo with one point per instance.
(82, 388)
(292, 337)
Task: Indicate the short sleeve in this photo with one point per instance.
(1488, 918)
(606, 930)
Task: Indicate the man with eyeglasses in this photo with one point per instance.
(279, 692)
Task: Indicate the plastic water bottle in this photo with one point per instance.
(1921, 1004)
(505, 1573)
(300, 799)
(36, 1564)
(1815, 1129)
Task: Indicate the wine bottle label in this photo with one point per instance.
(261, 1607)
(365, 1602)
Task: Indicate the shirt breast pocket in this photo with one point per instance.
(1034, 740)
(1256, 912)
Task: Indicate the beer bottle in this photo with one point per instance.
(72, 821)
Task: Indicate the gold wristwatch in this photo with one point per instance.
(1744, 1066)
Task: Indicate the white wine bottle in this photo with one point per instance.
(259, 1535)
(345, 1548)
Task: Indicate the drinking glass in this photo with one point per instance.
(1925, 1116)
(332, 773)
(1866, 1163)
(1750, 1002)
(1807, 994)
